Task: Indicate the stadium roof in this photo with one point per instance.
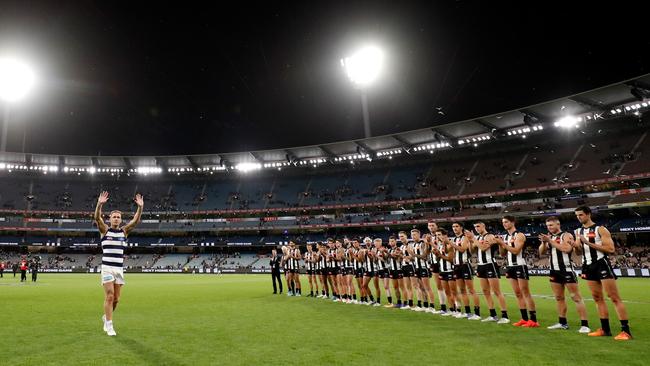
(603, 103)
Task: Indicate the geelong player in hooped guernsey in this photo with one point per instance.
(113, 241)
(596, 243)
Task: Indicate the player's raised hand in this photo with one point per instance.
(139, 200)
(103, 198)
(544, 237)
(469, 234)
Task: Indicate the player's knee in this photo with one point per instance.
(519, 294)
(559, 297)
(598, 297)
(576, 298)
(110, 297)
(614, 297)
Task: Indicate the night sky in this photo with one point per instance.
(127, 78)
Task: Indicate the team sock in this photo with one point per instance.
(379, 300)
(584, 323)
(372, 298)
(467, 310)
(504, 314)
(411, 302)
(311, 293)
(354, 296)
(419, 303)
(443, 307)
(477, 310)
(604, 323)
(562, 321)
(625, 327)
(390, 299)
(533, 315)
(524, 314)
(432, 306)
(493, 313)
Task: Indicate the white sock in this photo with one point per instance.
(109, 323)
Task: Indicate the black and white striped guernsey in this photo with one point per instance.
(560, 261)
(432, 259)
(404, 248)
(113, 244)
(355, 261)
(589, 254)
(370, 262)
(460, 258)
(394, 263)
(445, 265)
(418, 249)
(514, 259)
(331, 258)
(308, 261)
(486, 256)
(381, 261)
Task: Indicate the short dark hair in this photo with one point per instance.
(552, 218)
(392, 237)
(584, 209)
(479, 222)
(509, 218)
(401, 232)
(442, 231)
(418, 231)
(330, 240)
(459, 223)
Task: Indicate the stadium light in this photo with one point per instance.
(16, 79)
(363, 68)
(567, 122)
(248, 167)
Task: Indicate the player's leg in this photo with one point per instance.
(495, 286)
(469, 283)
(487, 293)
(521, 302)
(375, 282)
(296, 282)
(558, 292)
(612, 292)
(117, 292)
(109, 297)
(574, 291)
(442, 296)
(426, 282)
(530, 303)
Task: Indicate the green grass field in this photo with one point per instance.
(235, 320)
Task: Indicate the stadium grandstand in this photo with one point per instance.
(534, 162)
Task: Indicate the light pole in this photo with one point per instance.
(363, 68)
(16, 80)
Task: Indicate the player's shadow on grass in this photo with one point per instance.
(147, 354)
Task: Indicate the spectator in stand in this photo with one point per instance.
(2, 269)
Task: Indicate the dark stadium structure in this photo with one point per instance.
(227, 210)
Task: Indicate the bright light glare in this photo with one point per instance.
(247, 167)
(16, 79)
(566, 122)
(364, 67)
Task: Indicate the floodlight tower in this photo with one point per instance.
(16, 81)
(363, 68)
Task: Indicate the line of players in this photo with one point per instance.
(405, 265)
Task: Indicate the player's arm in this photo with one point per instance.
(138, 214)
(101, 225)
(565, 245)
(543, 243)
(520, 240)
(607, 245)
(488, 241)
(577, 243)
